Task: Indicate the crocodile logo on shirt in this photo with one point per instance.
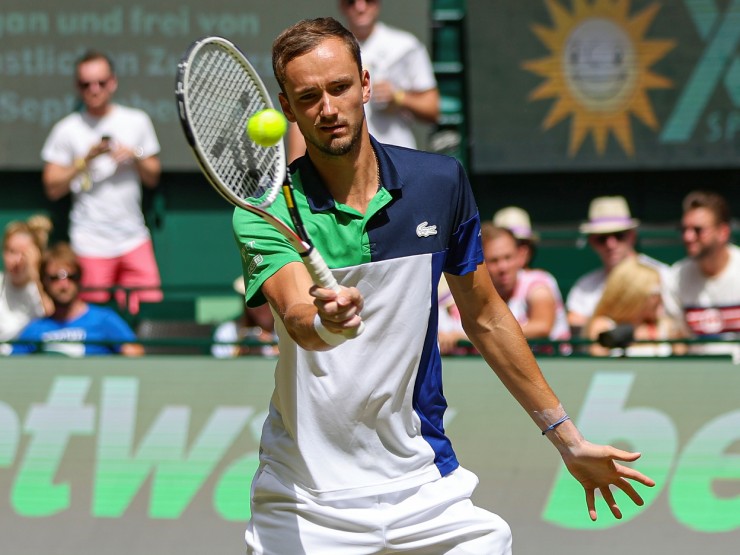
(425, 230)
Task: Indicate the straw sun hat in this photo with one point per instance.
(608, 215)
(517, 221)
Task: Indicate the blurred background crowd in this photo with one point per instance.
(605, 176)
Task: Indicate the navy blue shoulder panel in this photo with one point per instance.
(433, 209)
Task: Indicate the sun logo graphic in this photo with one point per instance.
(599, 70)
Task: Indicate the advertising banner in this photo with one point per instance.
(155, 455)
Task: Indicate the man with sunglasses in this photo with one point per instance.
(101, 155)
(611, 232)
(707, 282)
(75, 328)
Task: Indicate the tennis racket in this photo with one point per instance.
(217, 91)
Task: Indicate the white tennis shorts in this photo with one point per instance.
(436, 518)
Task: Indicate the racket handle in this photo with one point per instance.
(322, 276)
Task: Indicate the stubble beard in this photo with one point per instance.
(342, 146)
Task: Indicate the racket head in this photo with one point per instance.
(217, 91)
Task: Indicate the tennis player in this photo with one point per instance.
(354, 458)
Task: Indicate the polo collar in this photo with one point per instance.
(318, 196)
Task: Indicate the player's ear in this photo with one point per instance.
(113, 85)
(366, 89)
(285, 105)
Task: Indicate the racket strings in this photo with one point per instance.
(223, 96)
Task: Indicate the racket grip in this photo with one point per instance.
(322, 276)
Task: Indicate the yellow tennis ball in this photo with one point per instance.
(267, 127)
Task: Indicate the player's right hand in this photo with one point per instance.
(339, 310)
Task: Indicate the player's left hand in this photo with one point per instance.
(596, 468)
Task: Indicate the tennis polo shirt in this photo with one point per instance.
(365, 418)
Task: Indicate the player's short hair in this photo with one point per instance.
(306, 35)
(714, 202)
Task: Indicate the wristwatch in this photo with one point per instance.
(139, 153)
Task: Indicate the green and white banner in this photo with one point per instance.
(156, 455)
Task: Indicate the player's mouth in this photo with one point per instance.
(333, 129)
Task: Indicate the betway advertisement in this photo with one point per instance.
(156, 455)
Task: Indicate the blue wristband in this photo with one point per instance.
(555, 424)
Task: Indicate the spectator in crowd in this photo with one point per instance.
(102, 155)
(529, 293)
(22, 296)
(611, 232)
(354, 431)
(706, 283)
(256, 323)
(631, 309)
(404, 88)
(517, 221)
(74, 327)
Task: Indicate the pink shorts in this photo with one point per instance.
(135, 272)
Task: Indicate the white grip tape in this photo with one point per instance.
(320, 273)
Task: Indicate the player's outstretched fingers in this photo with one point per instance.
(636, 475)
(627, 488)
(609, 498)
(591, 503)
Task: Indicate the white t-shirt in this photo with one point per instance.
(394, 55)
(711, 306)
(105, 221)
(18, 306)
(587, 290)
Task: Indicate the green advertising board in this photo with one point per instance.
(604, 84)
(155, 455)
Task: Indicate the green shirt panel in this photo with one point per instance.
(338, 233)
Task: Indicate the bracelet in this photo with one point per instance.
(80, 164)
(329, 337)
(555, 424)
(398, 97)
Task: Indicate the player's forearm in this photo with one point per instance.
(497, 336)
(300, 321)
(287, 292)
(517, 369)
(504, 347)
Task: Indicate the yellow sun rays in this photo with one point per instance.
(599, 70)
